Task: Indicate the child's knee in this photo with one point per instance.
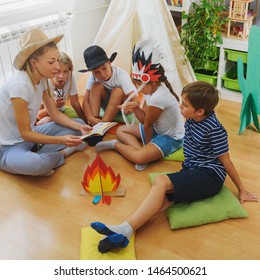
(98, 88)
(118, 91)
(117, 95)
(162, 181)
(121, 129)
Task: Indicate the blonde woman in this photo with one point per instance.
(24, 148)
(63, 87)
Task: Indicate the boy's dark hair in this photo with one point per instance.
(201, 95)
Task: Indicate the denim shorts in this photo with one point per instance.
(193, 184)
(166, 144)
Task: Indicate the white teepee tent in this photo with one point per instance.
(126, 21)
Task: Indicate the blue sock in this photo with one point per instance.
(124, 229)
(111, 242)
(102, 228)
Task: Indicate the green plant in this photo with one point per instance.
(201, 33)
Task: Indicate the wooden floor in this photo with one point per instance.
(41, 218)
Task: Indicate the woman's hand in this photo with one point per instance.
(70, 140)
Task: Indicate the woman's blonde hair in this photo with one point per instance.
(28, 67)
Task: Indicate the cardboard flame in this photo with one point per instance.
(100, 178)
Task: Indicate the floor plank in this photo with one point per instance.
(41, 218)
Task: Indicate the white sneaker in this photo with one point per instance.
(47, 174)
(140, 167)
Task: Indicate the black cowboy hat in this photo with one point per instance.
(95, 56)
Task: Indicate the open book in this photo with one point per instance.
(99, 129)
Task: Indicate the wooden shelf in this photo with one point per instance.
(225, 65)
(175, 8)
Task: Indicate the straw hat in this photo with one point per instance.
(95, 56)
(30, 42)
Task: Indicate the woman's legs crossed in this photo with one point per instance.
(18, 159)
(54, 129)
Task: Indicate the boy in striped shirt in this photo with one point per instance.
(203, 172)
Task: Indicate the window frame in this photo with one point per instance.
(11, 7)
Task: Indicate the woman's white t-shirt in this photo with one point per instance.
(18, 86)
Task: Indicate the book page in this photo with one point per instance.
(102, 127)
(99, 129)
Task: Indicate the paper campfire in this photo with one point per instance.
(100, 180)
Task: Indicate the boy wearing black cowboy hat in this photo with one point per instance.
(107, 87)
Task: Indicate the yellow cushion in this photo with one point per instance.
(89, 247)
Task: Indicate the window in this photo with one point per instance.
(2, 2)
(10, 6)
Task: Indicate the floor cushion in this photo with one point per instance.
(70, 112)
(176, 156)
(119, 118)
(222, 206)
(89, 247)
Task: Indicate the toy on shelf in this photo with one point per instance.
(238, 30)
(240, 9)
(240, 19)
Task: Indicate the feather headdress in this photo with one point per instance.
(146, 60)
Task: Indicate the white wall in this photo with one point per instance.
(84, 25)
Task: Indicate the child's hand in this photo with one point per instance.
(247, 196)
(94, 120)
(129, 107)
(85, 129)
(60, 102)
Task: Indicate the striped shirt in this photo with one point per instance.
(204, 142)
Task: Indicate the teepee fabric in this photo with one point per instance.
(129, 20)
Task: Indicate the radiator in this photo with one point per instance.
(52, 25)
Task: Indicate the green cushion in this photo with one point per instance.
(119, 118)
(176, 156)
(222, 206)
(70, 112)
